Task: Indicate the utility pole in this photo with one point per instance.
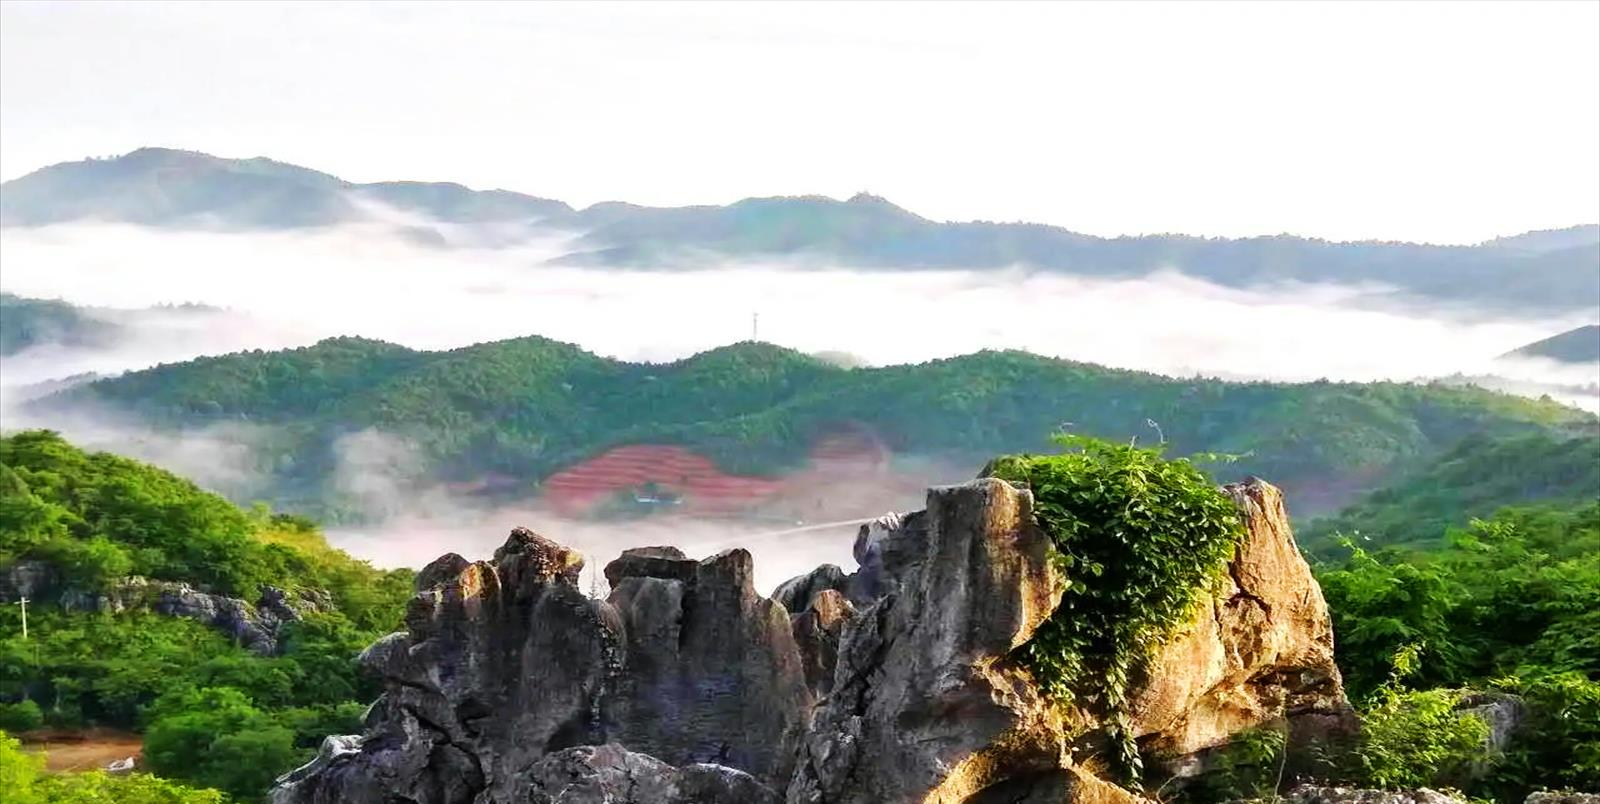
(755, 326)
(24, 603)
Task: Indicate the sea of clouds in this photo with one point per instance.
(457, 285)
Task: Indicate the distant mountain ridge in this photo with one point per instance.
(1577, 345)
(165, 187)
(1536, 271)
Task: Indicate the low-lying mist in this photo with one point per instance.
(275, 290)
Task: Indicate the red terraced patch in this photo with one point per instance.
(703, 487)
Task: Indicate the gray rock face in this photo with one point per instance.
(713, 673)
(253, 627)
(611, 774)
(509, 685)
(922, 694)
(29, 579)
(651, 562)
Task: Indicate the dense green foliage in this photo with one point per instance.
(24, 780)
(1139, 539)
(1507, 604)
(1477, 477)
(30, 322)
(212, 712)
(525, 408)
(99, 517)
(1514, 594)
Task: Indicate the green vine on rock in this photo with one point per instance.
(1139, 537)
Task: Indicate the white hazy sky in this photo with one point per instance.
(1433, 121)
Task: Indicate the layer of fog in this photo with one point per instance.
(387, 281)
(295, 288)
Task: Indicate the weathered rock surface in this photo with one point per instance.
(817, 631)
(611, 774)
(712, 671)
(891, 684)
(1309, 794)
(505, 666)
(924, 708)
(927, 707)
(1561, 797)
(1259, 649)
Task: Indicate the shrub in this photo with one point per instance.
(1138, 538)
(22, 716)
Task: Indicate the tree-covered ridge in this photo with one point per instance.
(530, 406)
(212, 712)
(1474, 479)
(29, 322)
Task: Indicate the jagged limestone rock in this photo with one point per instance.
(928, 707)
(712, 671)
(509, 683)
(505, 663)
(816, 633)
(924, 708)
(500, 665)
(1259, 649)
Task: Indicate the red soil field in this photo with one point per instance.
(704, 489)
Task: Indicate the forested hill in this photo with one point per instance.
(159, 187)
(31, 322)
(1474, 479)
(128, 570)
(527, 407)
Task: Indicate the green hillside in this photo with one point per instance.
(211, 711)
(1473, 479)
(530, 406)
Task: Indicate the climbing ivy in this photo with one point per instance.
(1138, 537)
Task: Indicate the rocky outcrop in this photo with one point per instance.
(1310, 794)
(895, 683)
(509, 683)
(255, 627)
(27, 579)
(927, 706)
(1259, 649)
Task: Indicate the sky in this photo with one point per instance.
(1437, 122)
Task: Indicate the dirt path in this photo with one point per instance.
(89, 749)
